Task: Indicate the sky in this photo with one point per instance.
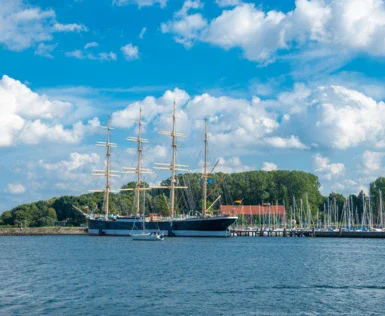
(284, 85)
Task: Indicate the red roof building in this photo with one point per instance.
(253, 210)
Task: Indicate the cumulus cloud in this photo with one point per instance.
(140, 3)
(269, 166)
(152, 107)
(308, 116)
(326, 169)
(15, 188)
(280, 142)
(232, 164)
(346, 25)
(233, 122)
(130, 52)
(372, 161)
(186, 27)
(72, 174)
(75, 161)
(28, 117)
(339, 117)
(349, 186)
(23, 25)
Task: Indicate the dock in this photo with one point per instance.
(306, 233)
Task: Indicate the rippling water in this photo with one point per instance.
(77, 275)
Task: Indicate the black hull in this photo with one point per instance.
(194, 227)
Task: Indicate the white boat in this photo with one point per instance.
(148, 237)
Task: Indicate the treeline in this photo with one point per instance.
(254, 187)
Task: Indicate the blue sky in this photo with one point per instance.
(294, 85)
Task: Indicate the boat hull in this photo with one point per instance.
(192, 227)
(147, 237)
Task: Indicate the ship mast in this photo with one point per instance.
(138, 170)
(107, 173)
(205, 174)
(108, 168)
(173, 163)
(173, 166)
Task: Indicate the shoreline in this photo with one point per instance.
(43, 231)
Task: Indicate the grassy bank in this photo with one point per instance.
(42, 231)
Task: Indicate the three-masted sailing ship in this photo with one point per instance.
(181, 226)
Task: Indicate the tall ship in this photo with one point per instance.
(172, 226)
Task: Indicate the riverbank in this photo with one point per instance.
(43, 231)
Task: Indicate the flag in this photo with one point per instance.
(86, 207)
(238, 201)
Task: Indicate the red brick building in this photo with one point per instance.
(253, 210)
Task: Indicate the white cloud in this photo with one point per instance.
(280, 142)
(79, 54)
(15, 188)
(349, 186)
(142, 32)
(232, 164)
(323, 116)
(140, 3)
(23, 25)
(232, 122)
(228, 3)
(130, 51)
(76, 161)
(45, 50)
(372, 161)
(34, 132)
(326, 169)
(90, 45)
(339, 26)
(269, 166)
(152, 107)
(72, 174)
(339, 117)
(28, 117)
(58, 27)
(186, 28)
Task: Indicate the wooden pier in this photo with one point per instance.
(266, 233)
(306, 233)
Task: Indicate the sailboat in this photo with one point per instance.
(178, 226)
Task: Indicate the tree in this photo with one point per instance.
(160, 205)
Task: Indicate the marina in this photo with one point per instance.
(306, 233)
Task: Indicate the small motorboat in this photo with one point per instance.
(148, 237)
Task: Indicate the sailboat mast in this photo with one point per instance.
(172, 207)
(138, 182)
(205, 174)
(108, 168)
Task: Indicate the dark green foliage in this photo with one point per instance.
(254, 187)
(40, 213)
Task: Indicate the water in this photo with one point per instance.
(77, 275)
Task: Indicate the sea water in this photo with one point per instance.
(82, 275)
